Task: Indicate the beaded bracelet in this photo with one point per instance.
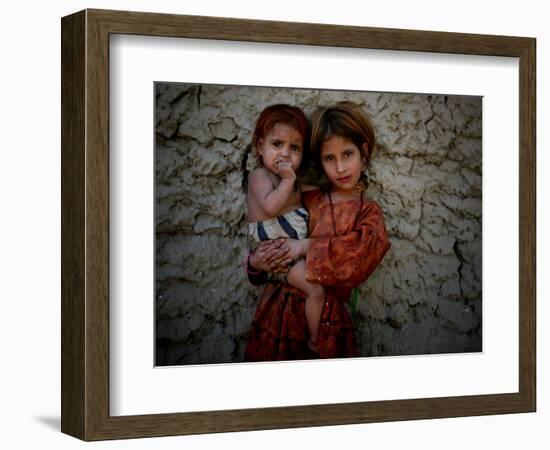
(249, 268)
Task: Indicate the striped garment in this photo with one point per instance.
(292, 224)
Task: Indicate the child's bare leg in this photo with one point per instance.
(314, 302)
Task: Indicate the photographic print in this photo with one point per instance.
(396, 238)
(383, 258)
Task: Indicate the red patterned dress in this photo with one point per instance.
(346, 245)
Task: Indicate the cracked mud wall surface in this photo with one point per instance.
(425, 297)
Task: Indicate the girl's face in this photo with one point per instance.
(283, 143)
(342, 162)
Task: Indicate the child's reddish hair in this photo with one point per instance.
(285, 114)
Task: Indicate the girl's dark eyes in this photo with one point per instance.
(347, 154)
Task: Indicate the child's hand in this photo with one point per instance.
(285, 170)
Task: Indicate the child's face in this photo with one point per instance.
(283, 143)
(342, 162)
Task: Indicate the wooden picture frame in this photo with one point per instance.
(85, 224)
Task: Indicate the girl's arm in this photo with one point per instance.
(270, 256)
(350, 259)
(270, 200)
(296, 248)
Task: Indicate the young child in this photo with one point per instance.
(274, 200)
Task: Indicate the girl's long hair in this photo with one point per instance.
(347, 120)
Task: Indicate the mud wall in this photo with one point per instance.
(425, 297)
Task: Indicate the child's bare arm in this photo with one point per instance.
(270, 200)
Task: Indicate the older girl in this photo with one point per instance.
(347, 240)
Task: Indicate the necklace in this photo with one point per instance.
(354, 292)
(332, 213)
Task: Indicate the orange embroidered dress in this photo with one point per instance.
(346, 245)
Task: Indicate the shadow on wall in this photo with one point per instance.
(425, 297)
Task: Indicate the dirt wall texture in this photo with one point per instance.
(425, 297)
